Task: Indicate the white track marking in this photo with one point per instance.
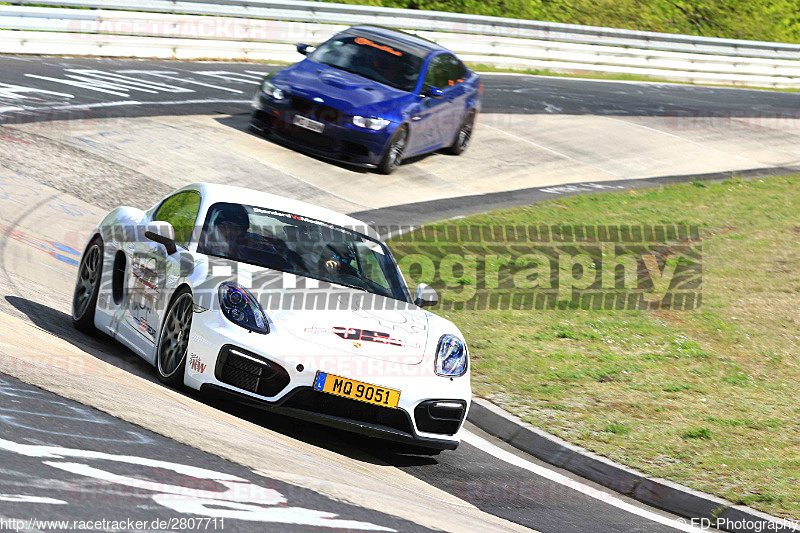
(174, 76)
(126, 103)
(134, 83)
(228, 76)
(92, 85)
(13, 91)
(565, 156)
(24, 498)
(684, 139)
(605, 497)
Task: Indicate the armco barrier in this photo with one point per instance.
(263, 29)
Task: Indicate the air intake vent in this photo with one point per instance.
(248, 371)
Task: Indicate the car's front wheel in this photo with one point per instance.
(173, 340)
(394, 153)
(464, 135)
(84, 299)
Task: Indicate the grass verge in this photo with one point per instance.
(709, 398)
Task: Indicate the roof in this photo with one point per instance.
(398, 39)
(213, 193)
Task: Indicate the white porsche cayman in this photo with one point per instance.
(278, 302)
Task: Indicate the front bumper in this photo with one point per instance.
(256, 375)
(307, 404)
(340, 140)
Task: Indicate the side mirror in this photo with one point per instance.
(162, 233)
(302, 48)
(425, 296)
(434, 92)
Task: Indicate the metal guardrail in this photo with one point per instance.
(257, 28)
(325, 12)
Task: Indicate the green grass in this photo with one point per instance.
(762, 20)
(709, 398)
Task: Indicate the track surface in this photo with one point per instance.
(56, 88)
(35, 418)
(33, 89)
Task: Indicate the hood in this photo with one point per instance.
(398, 335)
(348, 92)
(351, 321)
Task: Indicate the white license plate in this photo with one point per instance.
(307, 123)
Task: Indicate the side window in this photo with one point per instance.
(438, 72)
(180, 211)
(456, 71)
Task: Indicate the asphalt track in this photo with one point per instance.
(34, 417)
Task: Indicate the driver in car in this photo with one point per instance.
(340, 261)
(228, 228)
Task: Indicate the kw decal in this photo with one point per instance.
(195, 364)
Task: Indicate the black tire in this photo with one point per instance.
(464, 135)
(87, 287)
(171, 358)
(394, 151)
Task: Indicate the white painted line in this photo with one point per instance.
(127, 103)
(565, 156)
(755, 164)
(24, 498)
(113, 77)
(173, 76)
(228, 76)
(88, 83)
(605, 497)
(12, 91)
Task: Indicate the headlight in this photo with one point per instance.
(271, 90)
(451, 357)
(241, 307)
(375, 124)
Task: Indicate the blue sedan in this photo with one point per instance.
(371, 97)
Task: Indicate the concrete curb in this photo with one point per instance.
(656, 492)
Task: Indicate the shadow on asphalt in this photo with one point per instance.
(241, 122)
(104, 348)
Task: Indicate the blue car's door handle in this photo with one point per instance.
(416, 118)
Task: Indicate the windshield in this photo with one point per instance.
(371, 59)
(302, 246)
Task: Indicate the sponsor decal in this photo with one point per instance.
(195, 363)
(365, 335)
(144, 327)
(367, 42)
(146, 274)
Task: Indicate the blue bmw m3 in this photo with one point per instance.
(371, 96)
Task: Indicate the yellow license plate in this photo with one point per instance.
(357, 390)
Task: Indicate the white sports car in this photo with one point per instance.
(278, 302)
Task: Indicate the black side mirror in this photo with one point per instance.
(162, 233)
(425, 296)
(302, 48)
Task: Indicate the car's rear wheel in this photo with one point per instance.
(394, 153)
(84, 299)
(173, 340)
(464, 135)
